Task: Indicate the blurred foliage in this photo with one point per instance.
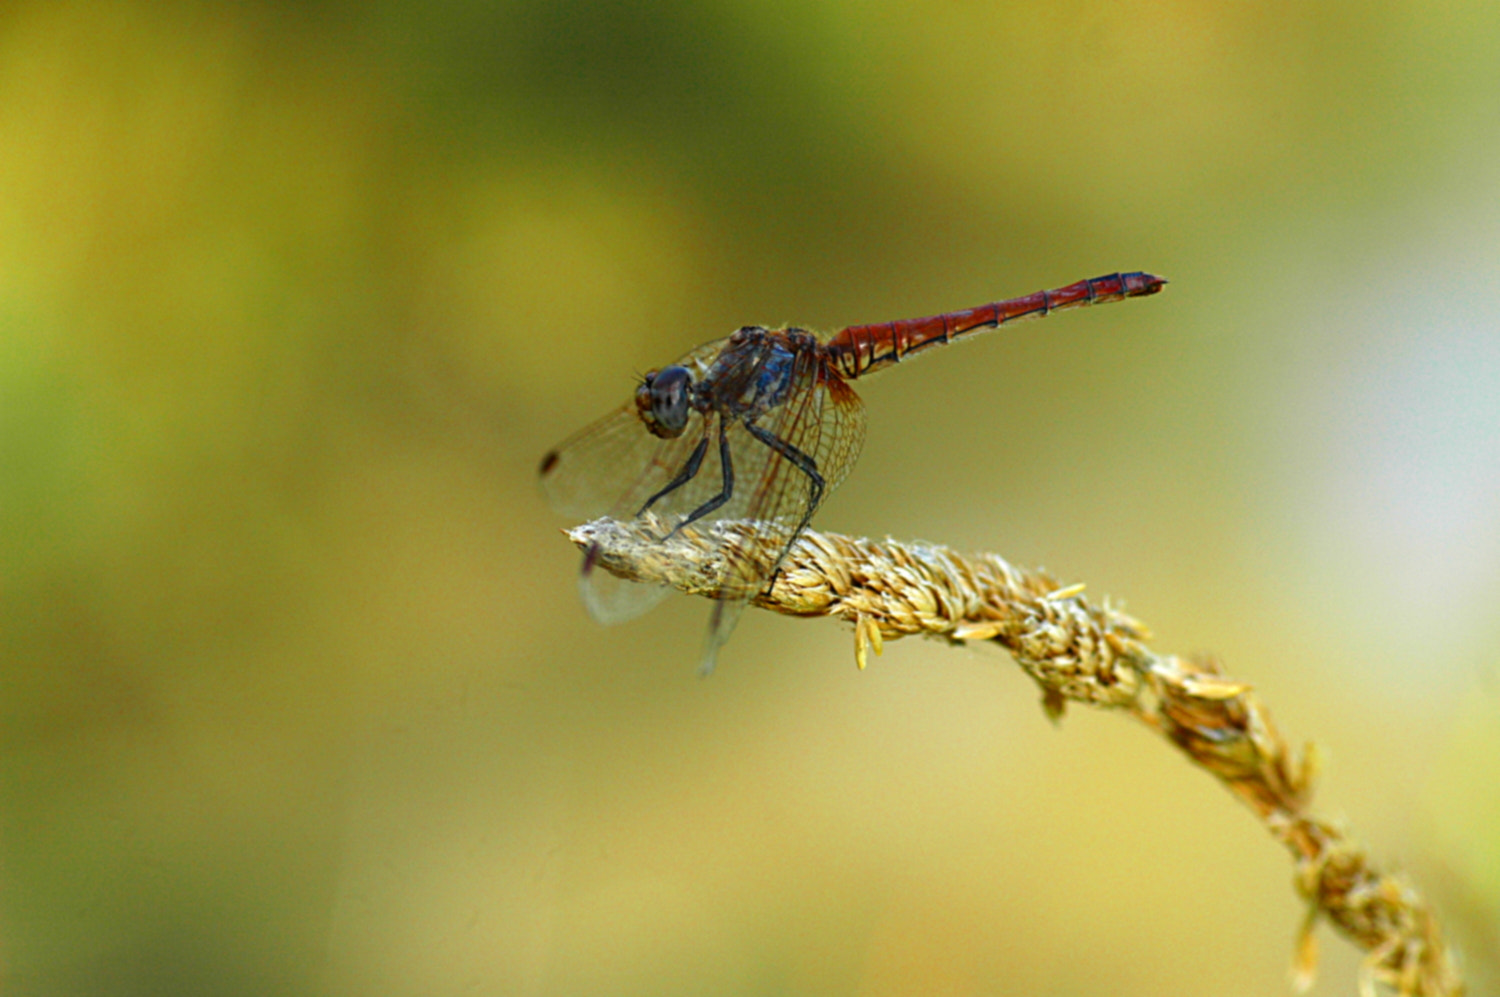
(294, 694)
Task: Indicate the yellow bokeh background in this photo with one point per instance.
(296, 696)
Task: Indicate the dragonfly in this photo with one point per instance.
(761, 425)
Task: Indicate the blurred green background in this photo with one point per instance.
(296, 696)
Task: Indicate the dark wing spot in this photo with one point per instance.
(549, 462)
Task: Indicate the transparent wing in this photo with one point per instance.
(610, 468)
(821, 419)
(613, 466)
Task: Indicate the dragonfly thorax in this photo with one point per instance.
(754, 372)
(664, 401)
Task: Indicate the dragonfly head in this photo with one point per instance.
(664, 401)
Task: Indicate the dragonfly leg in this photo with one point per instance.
(800, 461)
(688, 473)
(728, 489)
(807, 466)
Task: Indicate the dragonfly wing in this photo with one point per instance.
(612, 468)
(615, 600)
(821, 419)
(721, 622)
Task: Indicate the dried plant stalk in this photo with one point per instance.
(1081, 652)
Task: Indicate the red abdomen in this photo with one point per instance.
(861, 349)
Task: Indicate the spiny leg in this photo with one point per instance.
(728, 489)
(688, 473)
(801, 462)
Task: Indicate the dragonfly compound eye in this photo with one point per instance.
(664, 402)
